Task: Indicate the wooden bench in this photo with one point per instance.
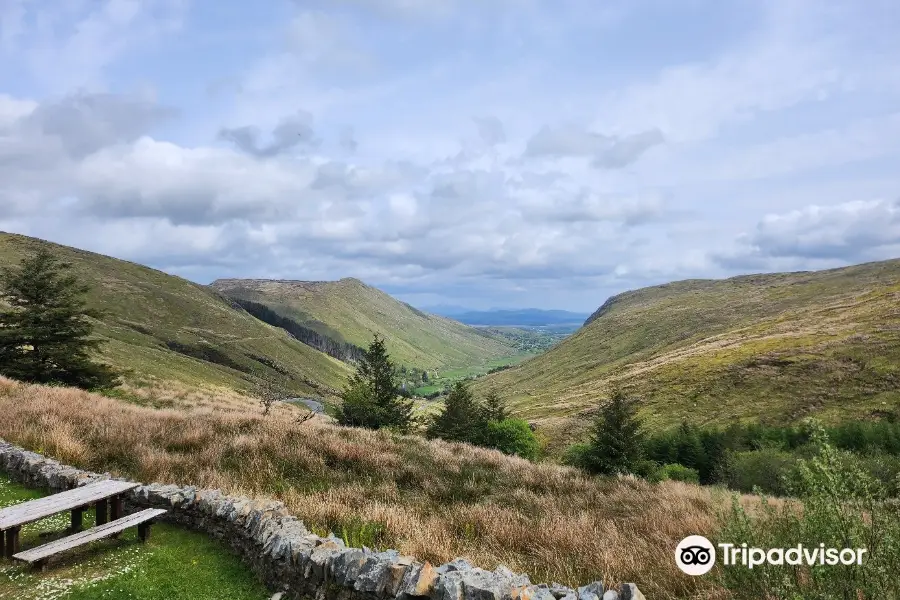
(106, 496)
(142, 520)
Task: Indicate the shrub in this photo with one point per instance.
(677, 472)
(767, 469)
(840, 506)
(513, 436)
(576, 455)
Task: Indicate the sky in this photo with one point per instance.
(483, 153)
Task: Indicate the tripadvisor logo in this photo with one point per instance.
(696, 555)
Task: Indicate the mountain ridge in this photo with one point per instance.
(351, 311)
(162, 329)
(771, 346)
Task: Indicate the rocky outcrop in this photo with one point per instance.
(299, 564)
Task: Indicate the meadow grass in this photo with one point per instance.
(174, 564)
(430, 499)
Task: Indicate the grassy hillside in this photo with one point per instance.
(429, 499)
(166, 329)
(777, 347)
(351, 311)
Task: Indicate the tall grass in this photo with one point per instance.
(431, 499)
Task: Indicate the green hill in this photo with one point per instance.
(350, 311)
(776, 347)
(167, 329)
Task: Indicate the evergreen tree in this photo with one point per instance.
(463, 419)
(495, 407)
(45, 332)
(372, 397)
(617, 441)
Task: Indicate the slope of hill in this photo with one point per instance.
(349, 311)
(167, 329)
(777, 347)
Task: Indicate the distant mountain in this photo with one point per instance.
(348, 312)
(446, 310)
(522, 317)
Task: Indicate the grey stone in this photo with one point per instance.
(591, 591)
(629, 591)
(560, 591)
(457, 564)
(611, 595)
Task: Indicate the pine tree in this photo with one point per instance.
(463, 419)
(372, 397)
(617, 442)
(45, 332)
(496, 408)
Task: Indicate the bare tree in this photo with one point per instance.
(268, 394)
(302, 418)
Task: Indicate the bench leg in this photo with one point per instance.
(102, 510)
(115, 512)
(12, 542)
(144, 531)
(77, 520)
(116, 507)
(3, 544)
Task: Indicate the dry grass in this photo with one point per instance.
(433, 500)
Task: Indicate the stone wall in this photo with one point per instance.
(299, 564)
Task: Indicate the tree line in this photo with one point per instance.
(340, 350)
(373, 399)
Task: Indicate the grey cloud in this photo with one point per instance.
(86, 123)
(624, 151)
(347, 140)
(848, 232)
(291, 132)
(491, 130)
(608, 152)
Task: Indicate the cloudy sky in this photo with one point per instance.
(475, 152)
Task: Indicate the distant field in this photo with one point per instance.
(774, 347)
(173, 565)
(447, 378)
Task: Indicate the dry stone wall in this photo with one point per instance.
(298, 564)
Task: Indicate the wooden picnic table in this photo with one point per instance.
(106, 496)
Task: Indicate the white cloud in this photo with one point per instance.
(854, 231)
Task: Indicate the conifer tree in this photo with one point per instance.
(45, 332)
(496, 408)
(372, 397)
(617, 441)
(463, 419)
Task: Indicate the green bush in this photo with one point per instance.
(768, 470)
(677, 472)
(513, 436)
(839, 505)
(576, 455)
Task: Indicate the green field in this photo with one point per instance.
(775, 347)
(162, 328)
(444, 379)
(173, 565)
(351, 311)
